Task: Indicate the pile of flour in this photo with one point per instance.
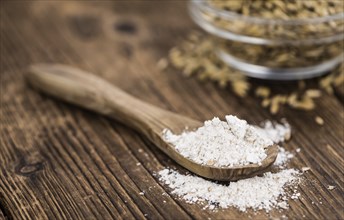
(258, 193)
(221, 143)
(266, 192)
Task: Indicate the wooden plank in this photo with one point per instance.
(58, 161)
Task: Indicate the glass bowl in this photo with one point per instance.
(273, 48)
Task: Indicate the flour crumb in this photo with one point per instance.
(142, 193)
(221, 143)
(330, 187)
(304, 169)
(298, 150)
(258, 193)
(283, 205)
(295, 196)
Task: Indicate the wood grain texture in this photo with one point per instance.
(61, 162)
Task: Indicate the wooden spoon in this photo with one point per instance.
(91, 92)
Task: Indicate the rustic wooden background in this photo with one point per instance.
(59, 161)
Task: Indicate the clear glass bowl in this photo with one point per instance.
(273, 48)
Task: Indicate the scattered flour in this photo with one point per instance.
(222, 143)
(266, 192)
(278, 133)
(275, 131)
(283, 157)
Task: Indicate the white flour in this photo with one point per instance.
(222, 143)
(282, 157)
(276, 132)
(265, 192)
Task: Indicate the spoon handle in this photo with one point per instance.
(93, 93)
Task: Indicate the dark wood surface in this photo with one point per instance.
(59, 161)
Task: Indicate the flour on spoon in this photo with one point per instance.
(221, 143)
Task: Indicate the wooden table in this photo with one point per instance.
(59, 161)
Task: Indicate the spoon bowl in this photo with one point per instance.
(91, 92)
